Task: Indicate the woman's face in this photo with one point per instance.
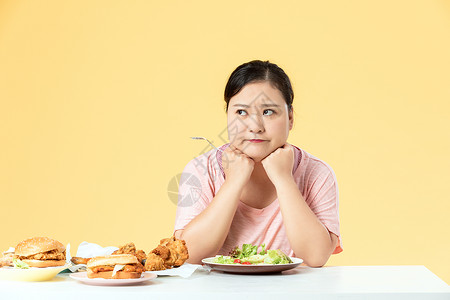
(258, 120)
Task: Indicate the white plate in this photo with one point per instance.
(82, 277)
(252, 269)
(31, 274)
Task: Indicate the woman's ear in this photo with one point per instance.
(291, 118)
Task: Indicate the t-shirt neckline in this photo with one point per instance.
(260, 211)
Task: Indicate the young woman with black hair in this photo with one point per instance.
(258, 188)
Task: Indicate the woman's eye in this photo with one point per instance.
(268, 112)
(241, 112)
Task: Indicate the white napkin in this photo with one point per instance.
(185, 271)
(88, 250)
(10, 250)
(68, 256)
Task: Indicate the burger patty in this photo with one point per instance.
(49, 255)
(127, 268)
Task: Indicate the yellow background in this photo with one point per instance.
(98, 100)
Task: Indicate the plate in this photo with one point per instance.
(252, 269)
(31, 274)
(82, 277)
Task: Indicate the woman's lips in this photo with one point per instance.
(256, 141)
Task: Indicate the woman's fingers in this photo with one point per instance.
(286, 146)
(234, 149)
(233, 154)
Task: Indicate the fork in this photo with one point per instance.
(205, 139)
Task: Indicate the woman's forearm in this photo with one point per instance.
(308, 237)
(206, 234)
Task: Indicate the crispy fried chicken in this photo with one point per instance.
(171, 252)
(162, 251)
(130, 248)
(79, 260)
(49, 255)
(154, 263)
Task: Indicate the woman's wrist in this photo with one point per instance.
(235, 184)
(283, 183)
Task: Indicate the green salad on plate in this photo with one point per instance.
(249, 255)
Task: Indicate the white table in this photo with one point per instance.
(349, 282)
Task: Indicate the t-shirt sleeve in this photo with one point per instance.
(322, 197)
(194, 192)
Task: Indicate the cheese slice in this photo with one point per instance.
(117, 268)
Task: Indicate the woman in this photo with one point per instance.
(259, 189)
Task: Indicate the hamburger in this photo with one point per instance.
(41, 252)
(120, 266)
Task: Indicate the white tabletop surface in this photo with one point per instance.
(343, 282)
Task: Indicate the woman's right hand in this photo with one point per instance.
(238, 167)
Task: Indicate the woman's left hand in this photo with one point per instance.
(279, 164)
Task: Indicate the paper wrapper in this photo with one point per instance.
(10, 250)
(185, 271)
(88, 250)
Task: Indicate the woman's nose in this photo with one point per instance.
(255, 124)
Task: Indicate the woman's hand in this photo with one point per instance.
(238, 167)
(279, 164)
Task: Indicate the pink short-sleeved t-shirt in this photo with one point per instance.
(203, 176)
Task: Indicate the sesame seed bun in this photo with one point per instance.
(38, 245)
(44, 263)
(112, 260)
(118, 275)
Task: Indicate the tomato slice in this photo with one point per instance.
(237, 261)
(246, 263)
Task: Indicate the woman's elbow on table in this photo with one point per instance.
(319, 258)
(316, 262)
(194, 256)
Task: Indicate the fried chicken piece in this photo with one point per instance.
(164, 242)
(178, 252)
(140, 255)
(127, 268)
(102, 269)
(79, 260)
(134, 268)
(130, 248)
(49, 255)
(179, 247)
(171, 252)
(162, 251)
(154, 262)
(170, 261)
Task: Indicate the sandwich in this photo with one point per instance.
(120, 266)
(41, 252)
(7, 259)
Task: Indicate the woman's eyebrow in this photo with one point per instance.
(262, 105)
(269, 105)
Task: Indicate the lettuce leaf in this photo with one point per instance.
(277, 257)
(18, 264)
(224, 260)
(247, 251)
